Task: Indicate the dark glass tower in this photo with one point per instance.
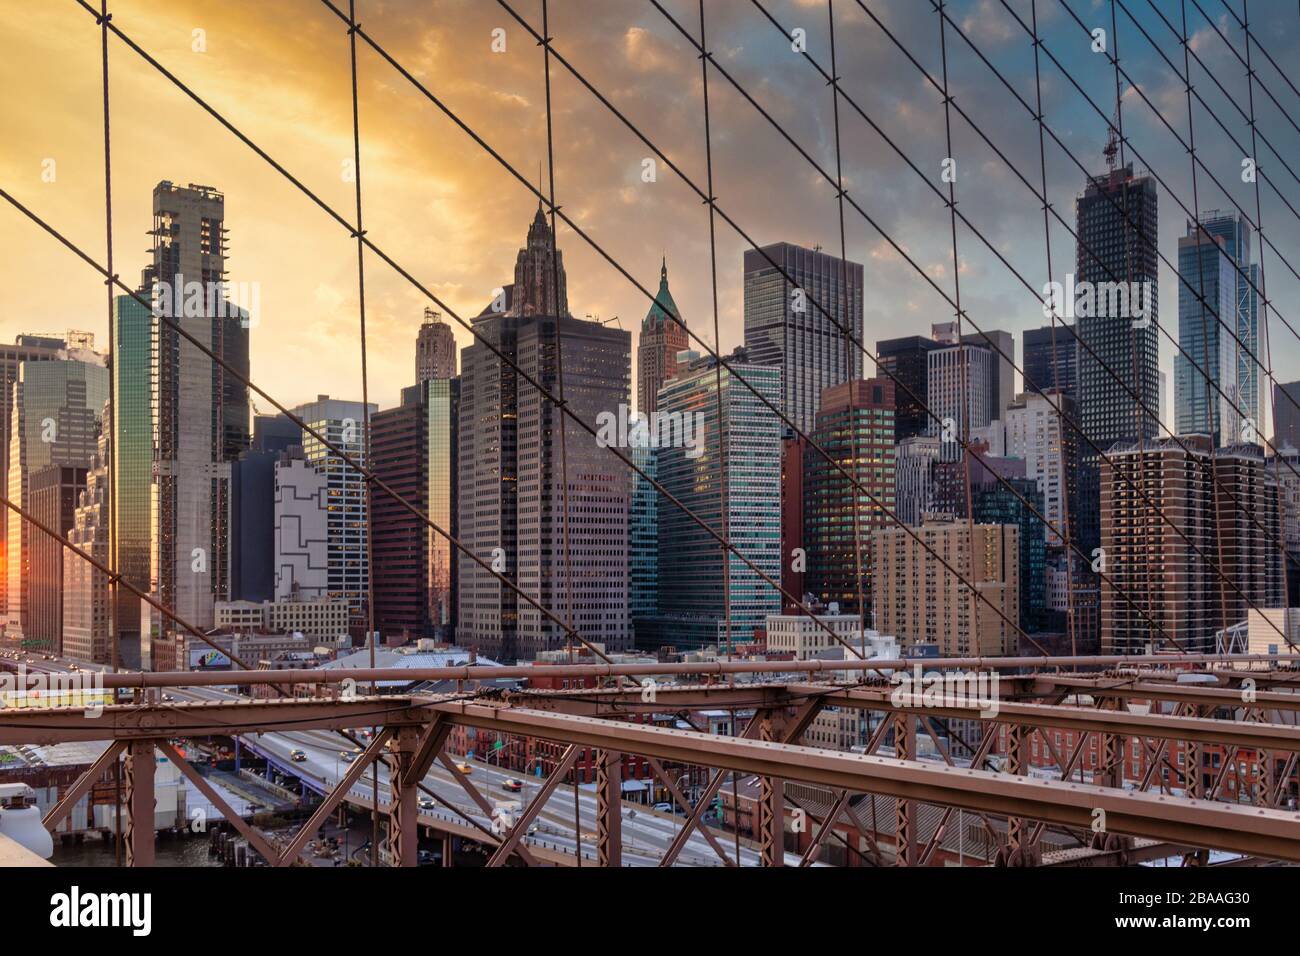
(1117, 224)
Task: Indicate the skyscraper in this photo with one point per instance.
(27, 348)
(996, 503)
(1050, 449)
(1050, 359)
(302, 529)
(735, 464)
(1002, 356)
(411, 449)
(200, 420)
(400, 551)
(86, 624)
(54, 419)
(1235, 232)
(1205, 268)
(906, 361)
(1214, 500)
(252, 497)
(855, 423)
(1117, 223)
(435, 349)
(785, 324)
(643, 536)
(959, 388)
(343, 424)
(52, 497)
(512, 492)
(661, 339)
(129, 512)
(1286, 415)
(914, 461)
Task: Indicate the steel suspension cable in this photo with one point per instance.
(1070, 622)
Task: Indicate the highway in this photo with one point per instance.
(647, 833)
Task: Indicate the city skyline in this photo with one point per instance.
(308, 282)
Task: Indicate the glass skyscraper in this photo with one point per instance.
(1205, 269)
(131, 531)
(785, 324)
(744, 450)
(54, 420)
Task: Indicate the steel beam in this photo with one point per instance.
(138, 778)
(1124, 723)
(1260, 832)
(335, 797)
(58, 725)
(520, 827)
(83, 784)
(609, 808)
(771, 804)
(255, 839)
(403, 810)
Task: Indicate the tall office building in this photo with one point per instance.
(661, 339)
(252, 502)
(411, 449)
(442, 473)
(643, 537)
(798, 323)
(1235, 233)
(1050, 359)
(1117, 222)
(906, 361)
(435, 349)
(343, 424)
(860, 412)
(1205, 334)
(914, 461)
(131, 531)
(1050, 449)
(399, 458)
(920, 601)
(1286, 415)
(958, 383)
(794, 557)
(512, 490)
(26, 348)
(52, 496)
(1216, 499)
(86, 617)
(996, 503)
(199, 414)
(302, 509)
(1002, 356)
(737, 467)
(54, 419)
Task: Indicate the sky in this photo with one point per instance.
(453, 216)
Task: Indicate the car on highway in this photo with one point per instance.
(664, 807)
(465, 768)
(513, 785)
(297, 756)
(347, 756)
(426, 803)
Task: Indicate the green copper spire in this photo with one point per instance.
(658, 315)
